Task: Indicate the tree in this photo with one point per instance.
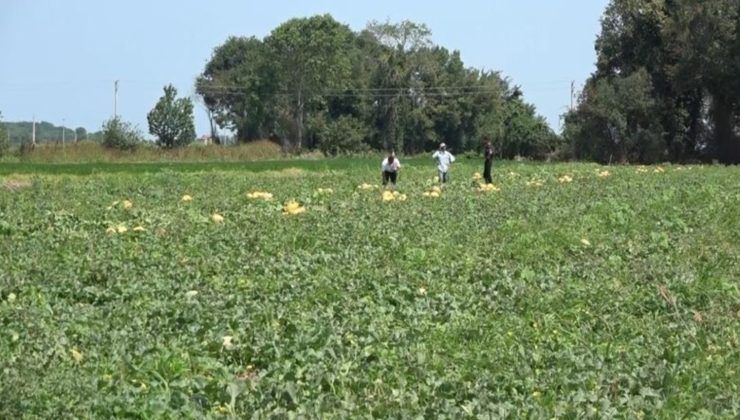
(346, 134)
(237, 87)
(447, 101)
(119, 134)
(615, 121)
(399, 42)
(525, 133)
(706, 36)
(171, 120)
(309, 57)
(81, 133)
(686, 54)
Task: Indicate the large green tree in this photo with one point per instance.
(616, 121)
(393, 78)
(171, 120)
(310, 58)
(705, 35)
(684, 54)
(237, 88)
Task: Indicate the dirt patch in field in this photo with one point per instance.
(287, 173)
(15, 184)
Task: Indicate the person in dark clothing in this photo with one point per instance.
(488, 155)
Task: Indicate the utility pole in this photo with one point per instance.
(63, 131)
(33, 133)
(115, 99)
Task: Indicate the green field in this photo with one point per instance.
(15, 168)
(608, 296)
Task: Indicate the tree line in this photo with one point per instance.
(666, 85)
(313, 83)
(21, 132)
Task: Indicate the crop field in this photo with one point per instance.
(569, 290)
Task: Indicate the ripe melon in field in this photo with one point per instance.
(260, 195)
(488, 188)
(293, 208)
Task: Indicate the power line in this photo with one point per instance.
(454, 90)
(420, 88)
(389, 93)
(384, 89)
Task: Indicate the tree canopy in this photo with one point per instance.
(171, 120)
(666, 86)
(314, 83)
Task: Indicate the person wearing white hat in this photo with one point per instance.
(444, 161)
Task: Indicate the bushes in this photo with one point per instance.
(118, 134)
(4, 142)
(616, 121)
(346, 134)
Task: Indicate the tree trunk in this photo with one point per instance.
(299, 132)
(728, 148)
(214, 132)
(299, 123)
(391, 120)
(695, 125)
(241, 135)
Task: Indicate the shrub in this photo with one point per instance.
(118, 134)
(344, 135)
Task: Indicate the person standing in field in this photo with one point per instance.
(390, 167)
(488, 163)
(444, 161)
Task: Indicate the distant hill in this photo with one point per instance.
(46, 132)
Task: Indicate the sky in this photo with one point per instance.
(59, 59)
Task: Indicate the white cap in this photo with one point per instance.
(442, 145)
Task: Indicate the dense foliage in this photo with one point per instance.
(388, 84)
(571, 291)
(171, 120)
(666, 86)
(119, 134)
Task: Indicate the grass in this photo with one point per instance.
(89, 159)
(183, 167)
(89, 152)
(607, 296)
(359, 164)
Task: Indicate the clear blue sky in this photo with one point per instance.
(60, 58)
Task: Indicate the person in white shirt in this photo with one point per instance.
(390, 167)
(444, 160)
